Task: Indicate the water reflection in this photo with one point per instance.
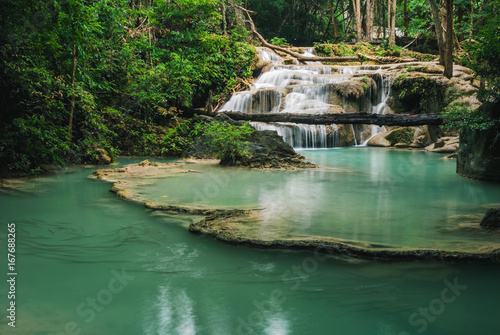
(391, 197)
(171, 313)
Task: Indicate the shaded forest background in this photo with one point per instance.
(84, 79)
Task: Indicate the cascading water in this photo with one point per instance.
(313, 89)
(303, 135)
(384, 91)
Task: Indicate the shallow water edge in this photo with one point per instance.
(240, 225)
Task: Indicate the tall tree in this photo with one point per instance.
(448, 23)
(443, 23)
(406, 18)
(471, 19)
(356, 5)
(333, 20)
(436, 17)
(391, 20)
(370, 15)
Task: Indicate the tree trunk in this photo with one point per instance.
(471, 19)
(406, 18)
(334, 23)
(370, 14)
(391, 20)
(480, 18)
(460, 20)
(72, 107)
(436, 17)
(448, 20)
(357, 17)
(383, 20)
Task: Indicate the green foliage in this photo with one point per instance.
(135, 62)
(229, 141)
(364, 83)
(484, 57)
(341, 49)
(459, 116)
(386, 49)
(180, 138)
(401, 135)
(279, 41)
(419, 94)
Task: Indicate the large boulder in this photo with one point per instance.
(445, 145)
(401, 136)
(426, 135)
(379, 140)
(491, 219)
(478, 156)
(267, 150)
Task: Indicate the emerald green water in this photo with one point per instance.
(400, 198)
(90, 263)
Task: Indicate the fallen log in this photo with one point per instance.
(344, 118)
(336, 59)
(404, 120)
(387, 59)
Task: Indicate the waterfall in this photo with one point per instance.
(311, 88)
(307, 99)
(258, 101)
(303, 135)
(384, 92)
(268, 55)
(310, 53)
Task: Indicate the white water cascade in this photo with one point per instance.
(312, 88)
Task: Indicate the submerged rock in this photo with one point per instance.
(241, 228)
(148, 163)
(491, 219)
(248, 227)
(102, 173)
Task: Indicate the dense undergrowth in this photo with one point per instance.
(120, 69)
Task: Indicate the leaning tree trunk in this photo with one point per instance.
(436, 17)
(448, 54)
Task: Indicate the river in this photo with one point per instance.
(88, 262)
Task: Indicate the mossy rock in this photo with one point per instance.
(419, 93)
(478, 156)
(401, 136)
